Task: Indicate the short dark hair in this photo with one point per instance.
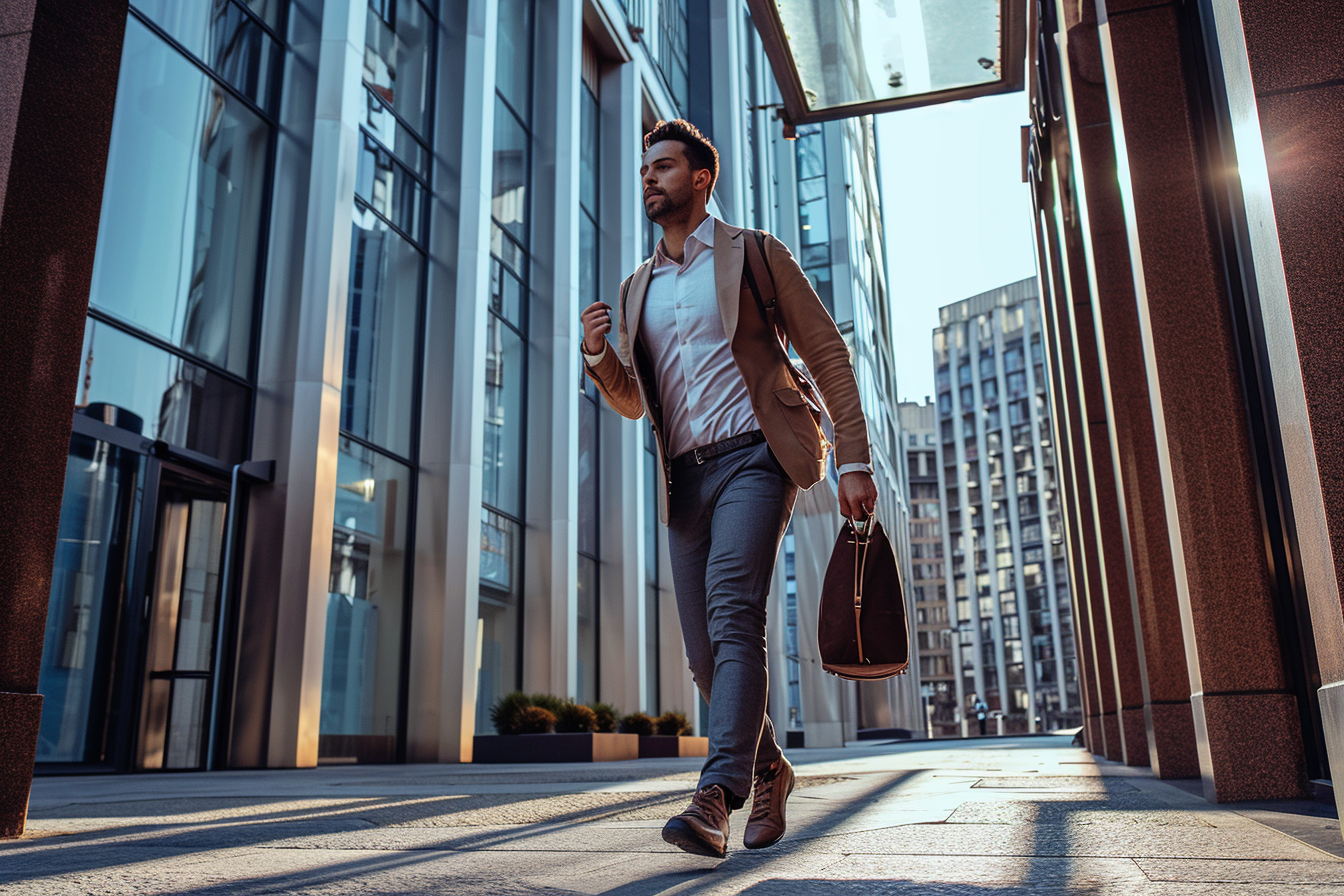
(699, 151)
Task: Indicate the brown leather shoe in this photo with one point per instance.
(703, 828)
(765, 825)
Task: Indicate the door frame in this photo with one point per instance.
(127, 673)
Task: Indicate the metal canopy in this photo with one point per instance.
(842, 58)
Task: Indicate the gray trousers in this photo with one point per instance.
(726, 520)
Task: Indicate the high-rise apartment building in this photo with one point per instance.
(930, 628)
(1002, 532)
(337, 482)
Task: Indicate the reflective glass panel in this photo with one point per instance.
(513, 65)
(504, 389)
(92, 545)
(397, 45)
(865, 50)
(589, 145)
(497, 674)
(388, 188)
(182, 403)
(181, 218)
(506, 293)
(361, 669)
(381, 123)
(512, 158)
(587, 479)
(377, 390)
(586, 632)
(225, 38)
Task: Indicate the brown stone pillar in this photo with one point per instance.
(1293, 58)
(1245, 716)
(1168, 719)
(1097, 260)
(58, 81)
(1060, 247)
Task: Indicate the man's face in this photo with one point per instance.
(669, 184)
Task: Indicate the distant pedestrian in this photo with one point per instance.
(981, 710)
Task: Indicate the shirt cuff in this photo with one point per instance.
(593, 360)
(855, 468)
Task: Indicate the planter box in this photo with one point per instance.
(663, 747)
(496, 748)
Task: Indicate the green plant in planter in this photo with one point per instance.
(536, 720)
(637, 723)
(607, 716)
(506, 714)
(672, 724)
(575, 718)
(549, 702)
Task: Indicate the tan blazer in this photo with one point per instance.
(792, 425)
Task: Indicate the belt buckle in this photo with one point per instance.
(698, 459)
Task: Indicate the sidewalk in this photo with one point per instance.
(982, 818)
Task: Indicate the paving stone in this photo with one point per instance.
(1240, 872)
(993, 817)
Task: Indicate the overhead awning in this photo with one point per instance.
(842, 58)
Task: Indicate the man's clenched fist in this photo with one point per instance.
(596, 320)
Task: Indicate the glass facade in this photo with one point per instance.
(219, 335)
(167, 370)
(590, 416)
(372, 537)
(814, 212)
(506, 366)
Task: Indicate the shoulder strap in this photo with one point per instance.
(761, 282)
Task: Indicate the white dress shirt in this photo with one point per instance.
(704, 398)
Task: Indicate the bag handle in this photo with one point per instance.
(862, 538)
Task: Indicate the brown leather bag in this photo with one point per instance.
(862, 631)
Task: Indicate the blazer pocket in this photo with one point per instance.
(803, 420)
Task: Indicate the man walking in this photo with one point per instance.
(738, 433)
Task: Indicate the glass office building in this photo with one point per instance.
(1003, 541)
(835, 202)
(337, 482)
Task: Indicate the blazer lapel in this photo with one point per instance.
(634, 301)
(728, 256)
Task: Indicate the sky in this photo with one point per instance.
(956, 213)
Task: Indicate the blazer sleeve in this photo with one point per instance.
(612, 373)
(818, 342)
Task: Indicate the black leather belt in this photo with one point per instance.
(699, 455)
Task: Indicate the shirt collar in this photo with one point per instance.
(703, 235)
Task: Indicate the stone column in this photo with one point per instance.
(1245, 716)
(1166, 701)
(292, 595)
(624, 512)
(550, 633)
(1109, 285)
(59, 63)
(443, 630)
(458, 383)
(1282, 65)
(1094, 669)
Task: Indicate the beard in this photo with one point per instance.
(661, 205)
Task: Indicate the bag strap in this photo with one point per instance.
(861, 541)
(761, 282)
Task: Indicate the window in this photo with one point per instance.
(589, 595)
(504, 458)
(371, 541)
(361, 668)
(179, 244)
